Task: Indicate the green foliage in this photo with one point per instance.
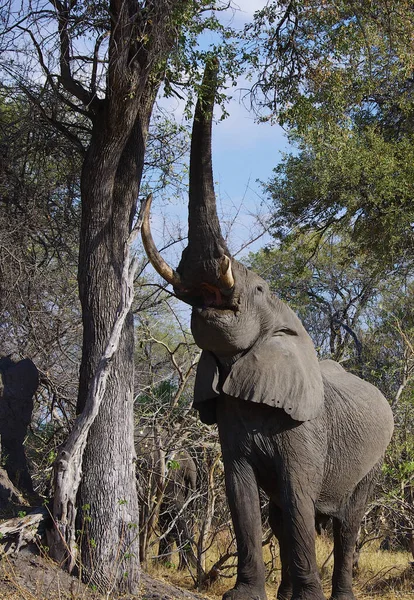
(39, 182)
(197, 22)
(164, 392)
(173, 465)
(389, 339)
(398, 472)
(337, 75)
(329, 61)
(349, 181)
(166, 169)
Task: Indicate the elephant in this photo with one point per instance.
(167, 480)
(309, 434)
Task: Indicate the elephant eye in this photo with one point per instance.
(259, 288)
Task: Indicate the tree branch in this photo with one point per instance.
(66, 78)
(56, 124)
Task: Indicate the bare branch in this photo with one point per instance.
(73, 86)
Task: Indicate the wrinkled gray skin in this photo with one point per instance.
(174, 475)
(311, 435)
(316, 456)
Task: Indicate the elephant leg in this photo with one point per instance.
(345, 535)
(345, 530)
(299, 524)
(284, 591)
(300, 481)
(244, 503)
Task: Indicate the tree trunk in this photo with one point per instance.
(108, 503)
(140, 41)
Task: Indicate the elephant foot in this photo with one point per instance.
(245, 592)
(309, 593)
(284, 592)
(308, 596)
(343, 596)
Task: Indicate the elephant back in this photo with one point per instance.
(359, 420)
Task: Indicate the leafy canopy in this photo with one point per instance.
(338, 76)
(348, 180)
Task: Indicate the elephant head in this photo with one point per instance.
(236, 320)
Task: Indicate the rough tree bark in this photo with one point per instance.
(68, 466)
(107, 492)
(141, 37)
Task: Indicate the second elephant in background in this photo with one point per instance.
(167, 476)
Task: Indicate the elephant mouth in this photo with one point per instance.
(213, 300)
(216, 298)
(209, 299)
(213, 311)
(213, 316)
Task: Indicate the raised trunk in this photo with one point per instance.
(206, 245)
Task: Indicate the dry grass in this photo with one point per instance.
(382, 575)
(385, 575)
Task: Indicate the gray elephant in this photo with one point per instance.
(311, 435)
(167, 477)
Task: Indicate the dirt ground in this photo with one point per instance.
(29, 576)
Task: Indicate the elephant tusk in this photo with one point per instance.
(154, 256)
(226, 277)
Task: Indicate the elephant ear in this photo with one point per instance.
(206, 387)
(282, 372)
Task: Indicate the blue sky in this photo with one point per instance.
(244, 152)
